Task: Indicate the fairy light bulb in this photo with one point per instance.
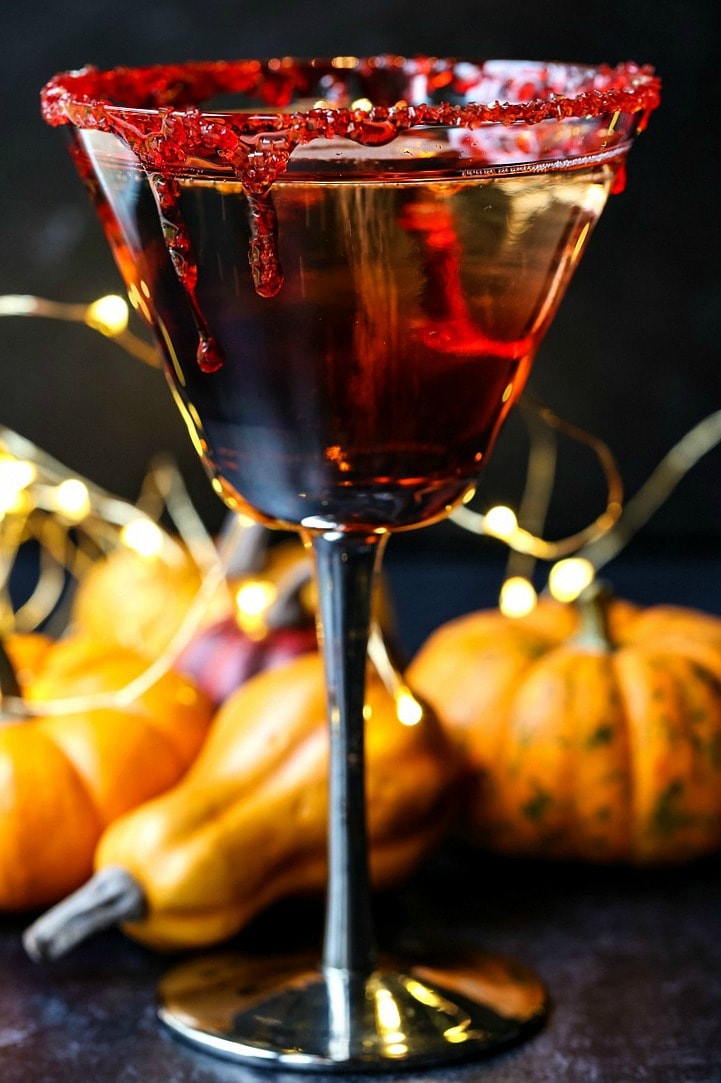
(517, 597)
(569, 578)
(72, 499)
(408, 709)
(253, 599)
(108, 314)
(16, 475)
(501, 522)
(144, 537)
(254, 596)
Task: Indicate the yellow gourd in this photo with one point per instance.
(247, 825)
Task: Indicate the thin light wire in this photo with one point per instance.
(20, 304)
(673, 468)
(524, 541)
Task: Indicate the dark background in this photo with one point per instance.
(633, 354)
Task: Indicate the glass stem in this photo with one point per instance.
(346, 565)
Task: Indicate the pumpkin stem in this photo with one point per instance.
(592, 606)
(250, 551)
(287, 608)
(111, 896)
(10, 693)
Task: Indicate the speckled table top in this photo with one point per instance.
(632, 960)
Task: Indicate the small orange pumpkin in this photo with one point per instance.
(590, 731)
(65, 777)
(139, 602)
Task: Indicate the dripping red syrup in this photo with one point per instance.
(166, 192)
(129, 103)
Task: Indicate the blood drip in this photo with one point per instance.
(166, 191)
(263, 249)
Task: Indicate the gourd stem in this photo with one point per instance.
(346, 565)
(111, 896)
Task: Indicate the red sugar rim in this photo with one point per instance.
(154, 111)
(155, 108)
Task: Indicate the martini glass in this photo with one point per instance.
(349, 265)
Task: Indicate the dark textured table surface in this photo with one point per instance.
(632, 960)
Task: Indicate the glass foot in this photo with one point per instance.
(288, 1012)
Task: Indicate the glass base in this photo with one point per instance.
(289, 1013)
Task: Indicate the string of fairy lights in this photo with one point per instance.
(74, 522)
(41, 502)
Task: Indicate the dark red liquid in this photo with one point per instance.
(365, 391)
(349, 293)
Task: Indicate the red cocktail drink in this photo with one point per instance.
(349, 265)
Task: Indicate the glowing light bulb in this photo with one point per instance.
(144, 537)
(15, 477)
(569, 578)
(254, 596)
(253, 599)
(108, 314)
(72, 499)
(501, 522)
(408, 709)
(517, 597)
(364, 104)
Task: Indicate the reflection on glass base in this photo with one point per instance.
(288, 1013)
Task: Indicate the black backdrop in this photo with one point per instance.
(633, 354)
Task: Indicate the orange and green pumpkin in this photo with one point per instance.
(589, 731)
